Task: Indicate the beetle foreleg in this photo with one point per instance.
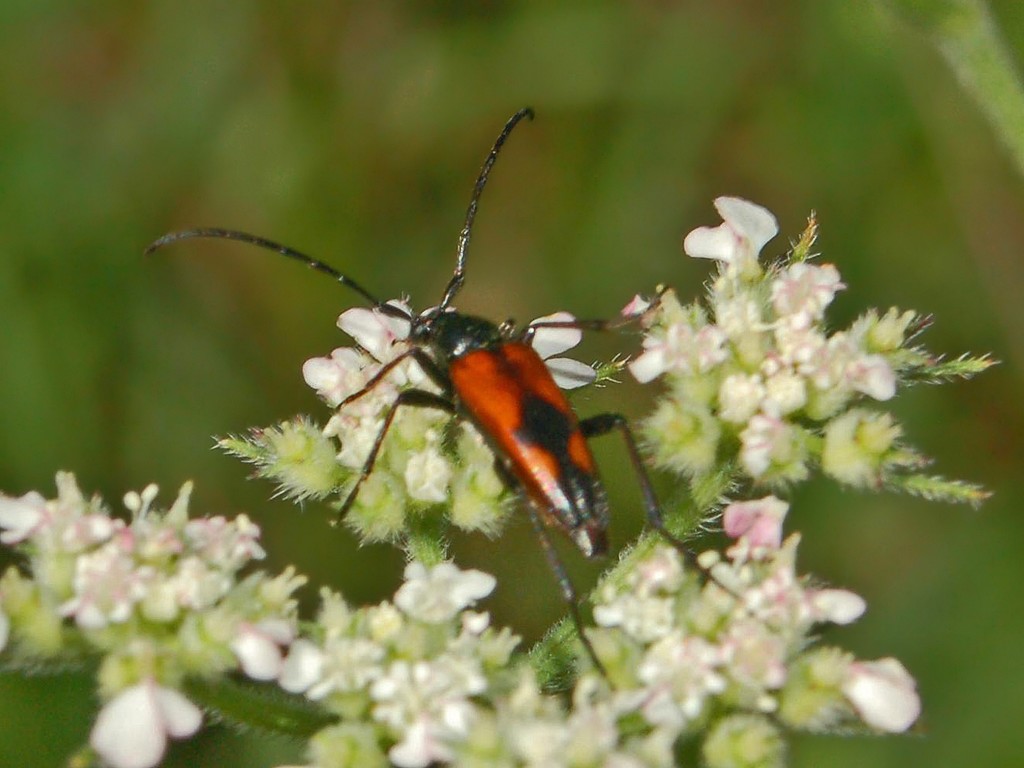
(425, 361)
(591, 324)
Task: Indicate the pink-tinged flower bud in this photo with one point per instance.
(759, 521)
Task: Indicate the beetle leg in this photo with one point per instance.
(590, 324)
(425, 361)
(413, 398)
(602, 424)
(555, 563)
(568, 591)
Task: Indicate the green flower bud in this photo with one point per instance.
(812, 698)
(856, 444)
(684, 436)
(349, 745)
(744, 741)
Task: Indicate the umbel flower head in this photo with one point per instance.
(721, 659)
(157, 598)
(759, 383)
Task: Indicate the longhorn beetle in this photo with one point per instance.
(490, 375)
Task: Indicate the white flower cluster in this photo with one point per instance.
(679, 652)
(157, 597)
(419, 463)
(410, 670)
(756, 377)
(424, 680)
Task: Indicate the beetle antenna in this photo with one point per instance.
(283, 250)
(467, 229)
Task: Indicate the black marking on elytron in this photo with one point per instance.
(546, 427)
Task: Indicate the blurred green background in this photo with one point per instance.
(354, 131)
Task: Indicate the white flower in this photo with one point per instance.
(229, 544)
(745, 230)
(764, 439)
(107, 585)
(738, 316)
(883, 693)
(837, 606)
(660, 572)
(375, 331)
(344, 665)
(785, 392)
(680, 673)
(756, 655)
(80, 533)
(196, 585)
(132, 728)
(759, 521)
(21, 517)
(336, 377)
(740, 397)
(427, 474)
(551, 341)
(258, 647)
(437, 595)
(643, 618)
(872, 375)
(679, 348)
(302, 668)
(802, 292)
(806, 349)
(427, 704)
(645, 606)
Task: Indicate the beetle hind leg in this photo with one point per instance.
(602, 424)
(568, 591)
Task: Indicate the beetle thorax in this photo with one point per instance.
(452, 335)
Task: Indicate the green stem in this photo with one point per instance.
(424, 540)
(968, 37)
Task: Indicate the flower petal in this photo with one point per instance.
(258, 654)
(303, 667)
(759, 521)
(718, 243)
(884, 694)
(649, 365)
(750, 220)
(129, 732)
(570, 374)
(554, 341)
(373, 330)
(838, 606)
(181, 717)
(636, 307)
(872, 375)
(21, 516)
